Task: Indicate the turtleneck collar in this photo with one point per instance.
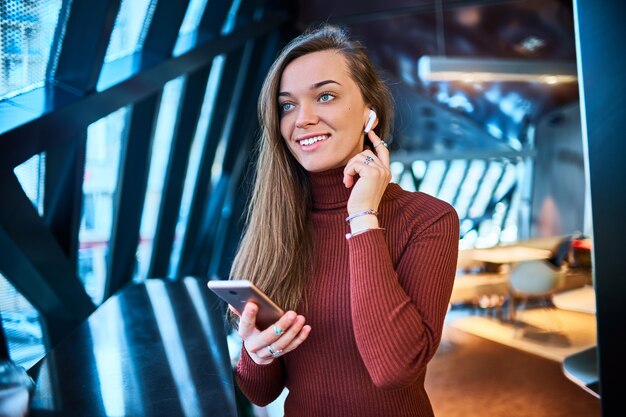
(328, 190)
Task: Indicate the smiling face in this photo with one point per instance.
(322, 111)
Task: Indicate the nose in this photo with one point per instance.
(306, 117)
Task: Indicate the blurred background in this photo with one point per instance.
(127, 131)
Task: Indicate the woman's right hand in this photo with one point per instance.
(284, 336)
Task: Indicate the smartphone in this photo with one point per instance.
(238, 292)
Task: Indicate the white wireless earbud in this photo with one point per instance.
(370, 120)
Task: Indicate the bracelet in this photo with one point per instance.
(361, 213)
(349, 235)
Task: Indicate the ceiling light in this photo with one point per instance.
(439, 68)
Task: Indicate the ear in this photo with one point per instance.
(372, 120)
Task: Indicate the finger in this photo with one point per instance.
(283, 341)
(381, 151)
(247, 323)
(298, 340)
(356, 165)
(268, 336)
(287, 339)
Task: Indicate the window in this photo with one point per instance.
(104, 139)
(26, 32)
(194, 159)
(130, 28)
(162, 142)
(31, 175)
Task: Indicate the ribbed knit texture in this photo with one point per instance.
(376, 305)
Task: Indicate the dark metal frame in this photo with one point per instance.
(599, 34)
(40, 253)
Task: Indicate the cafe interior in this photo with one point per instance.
(127, 137)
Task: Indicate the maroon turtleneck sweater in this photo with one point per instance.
(376, 304)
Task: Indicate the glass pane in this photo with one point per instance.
(20, 321)
(470, 186)
(485, 192)
(193, 16)
(453, 180)
(407, 182)
(101, 168)
(510, 230)
(166, 122)
(31, 174)
(26, 35)
(130, 27)
(397, 169)
(194, 159)
(433, 177)
(231, 19)
(509, 180)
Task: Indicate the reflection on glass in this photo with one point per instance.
(161, 145)
(106, 349)
(202, 310)
(27, 29)
(21, 324)
(104, 139)
(176, 358)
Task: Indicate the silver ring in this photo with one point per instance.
(277, 330)
(274, 353)
(382, 142)
(368, 159)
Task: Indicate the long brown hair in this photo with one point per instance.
(275, 251)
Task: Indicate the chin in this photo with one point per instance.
(315, 166)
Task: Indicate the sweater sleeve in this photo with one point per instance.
(261, 384)
(398, 314)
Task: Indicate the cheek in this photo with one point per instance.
(285, 131)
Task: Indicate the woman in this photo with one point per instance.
(371, 302)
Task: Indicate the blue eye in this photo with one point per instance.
(326, 97)
(285, 107)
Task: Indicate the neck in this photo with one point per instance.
(328, 190)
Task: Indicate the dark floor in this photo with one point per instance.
(471, 376)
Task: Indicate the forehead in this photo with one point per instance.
(308, 69)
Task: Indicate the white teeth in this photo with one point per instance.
(311, 141)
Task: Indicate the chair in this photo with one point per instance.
(533, 280)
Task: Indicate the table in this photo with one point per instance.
(581, 299)
(510, 254)
(154, 349)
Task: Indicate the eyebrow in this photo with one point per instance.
(313, 87)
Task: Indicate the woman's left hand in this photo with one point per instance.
(374, 175)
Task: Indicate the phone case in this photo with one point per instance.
(238, 292)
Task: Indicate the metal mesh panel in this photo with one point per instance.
(27, 29)
(20, 321)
